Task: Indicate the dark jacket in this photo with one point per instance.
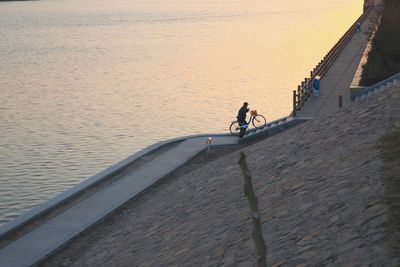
(242, 114)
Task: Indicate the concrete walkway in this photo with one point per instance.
(339, 77)
(54, 233)
(32, 247)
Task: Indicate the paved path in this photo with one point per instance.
(321, 192)
(43, 240)
(52, 234)
(339, 77)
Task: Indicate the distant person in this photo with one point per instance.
(358, 27)
(242, 119)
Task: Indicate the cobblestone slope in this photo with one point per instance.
(321, 191)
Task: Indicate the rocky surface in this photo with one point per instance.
(384, 57)
(322, 203)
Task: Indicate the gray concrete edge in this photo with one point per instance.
(274, 129)
(60, 199)
(163, 175)
(73, 191)
(367, 89)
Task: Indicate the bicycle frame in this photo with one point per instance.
(247, 122)
(255, 119)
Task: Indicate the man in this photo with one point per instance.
(358, 27)
(242, 119)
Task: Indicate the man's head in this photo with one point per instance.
(245, 104)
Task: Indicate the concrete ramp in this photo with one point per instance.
(56, 232)
(34, 246)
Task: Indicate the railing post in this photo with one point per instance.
(306, 84)
(299, 93)
(294, 103)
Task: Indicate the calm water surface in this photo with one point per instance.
(84, 84)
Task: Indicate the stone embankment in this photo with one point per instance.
(322, 197)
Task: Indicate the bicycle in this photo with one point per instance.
(257, 120)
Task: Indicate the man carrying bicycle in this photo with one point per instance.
(241, 117)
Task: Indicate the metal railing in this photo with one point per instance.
(304, 90)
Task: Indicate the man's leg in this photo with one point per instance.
(243, 127)
(241, 132)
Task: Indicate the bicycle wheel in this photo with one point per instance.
(259, 121)
(234, 128)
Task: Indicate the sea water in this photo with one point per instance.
(86, 83)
